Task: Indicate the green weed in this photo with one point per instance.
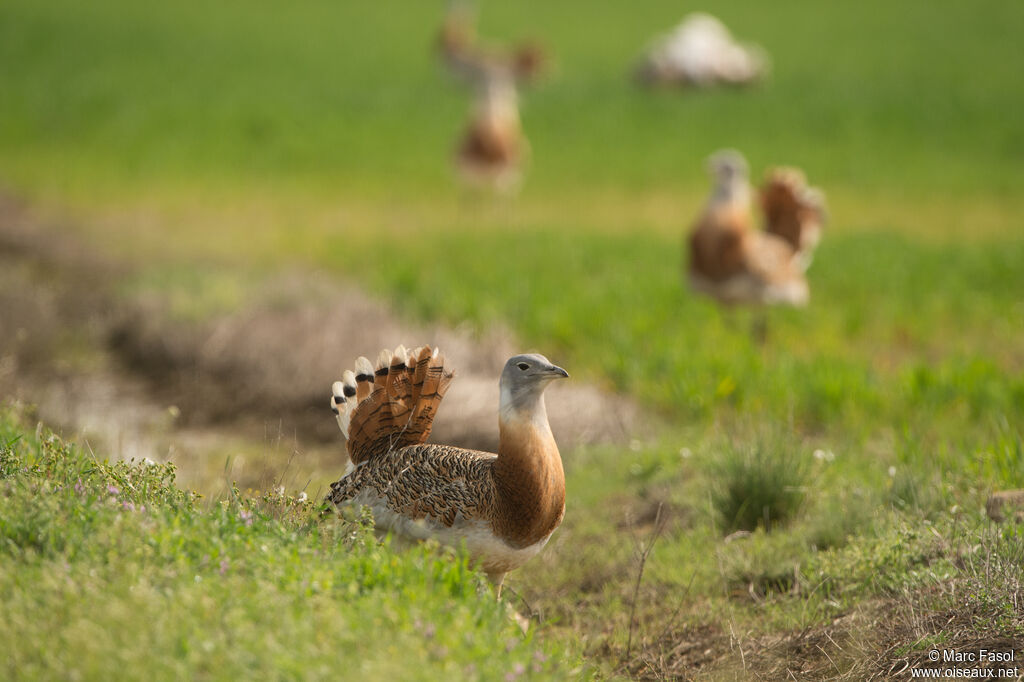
(759, 486)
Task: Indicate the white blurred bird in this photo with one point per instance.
(700, 52)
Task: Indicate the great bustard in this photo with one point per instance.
(735, 263)
(492, 150)
(504, 506)
(700, 53)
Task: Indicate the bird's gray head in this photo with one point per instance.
(728, 165)
(524, 379)
(730, 171)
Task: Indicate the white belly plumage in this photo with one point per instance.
(493, 554)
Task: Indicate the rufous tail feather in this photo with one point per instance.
(392, 405)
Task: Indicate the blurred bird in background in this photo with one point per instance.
(492, 150)
(735, 263)
(699, 53)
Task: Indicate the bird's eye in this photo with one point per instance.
(523, 366)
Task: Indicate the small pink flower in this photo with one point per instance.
(224, 566)
(128, 506)
(113, 489)
(79, 488)
(246, 516)
(517, 672)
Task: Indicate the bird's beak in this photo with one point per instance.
(556, 372)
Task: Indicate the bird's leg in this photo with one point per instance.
(522, 621)
(729, 317)
(759, 327)
(470, 198)
(497, 578)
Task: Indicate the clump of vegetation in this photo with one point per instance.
(990, 597)
(108, 570)
(763, 484)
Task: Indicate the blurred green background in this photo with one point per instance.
(896, 99)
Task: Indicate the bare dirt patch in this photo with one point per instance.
(880, 639)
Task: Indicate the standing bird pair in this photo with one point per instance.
(503, 506)
(735, 263)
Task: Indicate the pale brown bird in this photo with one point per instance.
(503, 507)
(735, 263)
(492, 150)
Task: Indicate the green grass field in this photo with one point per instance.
(249, 137)
(110, 571)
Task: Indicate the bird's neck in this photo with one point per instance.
(498, 104)
(528, 474)
(733, 193)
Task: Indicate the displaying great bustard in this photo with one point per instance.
(504, 506)
(492, 151)
(731, 260)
